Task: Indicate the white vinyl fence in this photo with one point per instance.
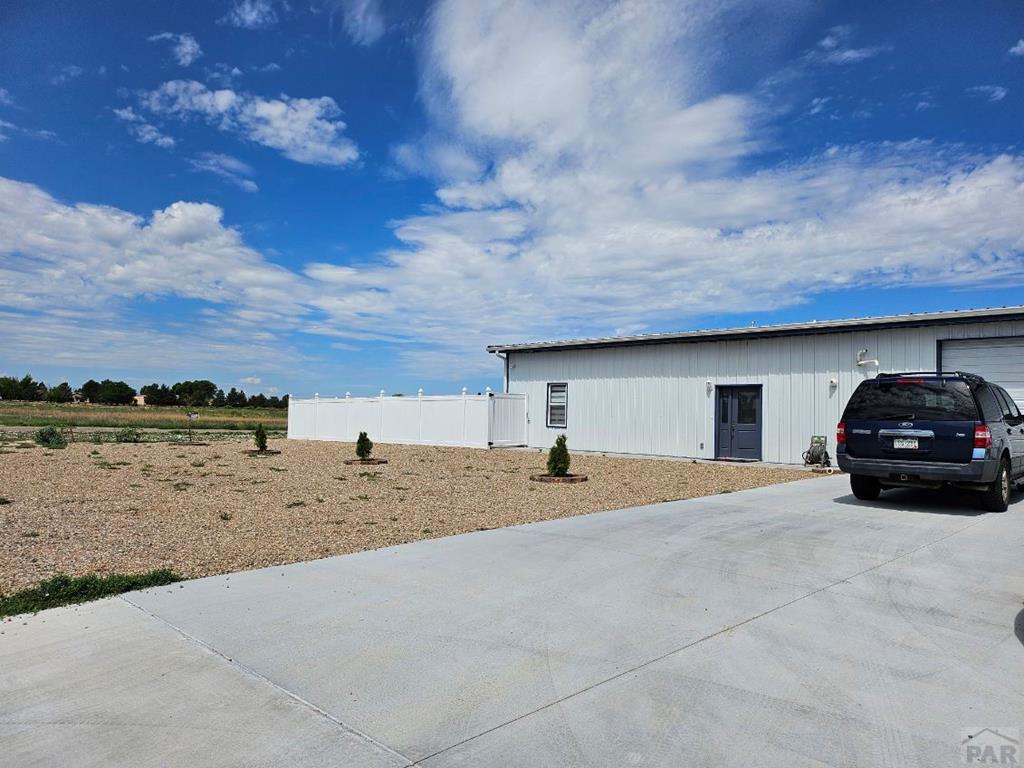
(473, 421)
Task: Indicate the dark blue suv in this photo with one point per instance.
(929, 429)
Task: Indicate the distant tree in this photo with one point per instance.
(90, 390)
(219, 399)
(115, 393)
(195, 393)
(158, 394)
(259, 400)
(62, 393)
(273, 402)
(284, 402)
(236, 398)
(25, 388)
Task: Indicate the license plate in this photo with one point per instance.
(905, 442)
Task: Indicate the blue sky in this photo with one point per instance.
(361, 194)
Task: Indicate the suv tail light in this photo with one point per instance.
(841, 433)
(982, 436)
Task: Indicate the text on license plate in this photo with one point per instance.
(905, 442)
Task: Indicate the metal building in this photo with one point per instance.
(746, 393)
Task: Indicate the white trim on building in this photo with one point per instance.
(664, 394)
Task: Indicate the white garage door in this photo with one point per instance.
(998, 360)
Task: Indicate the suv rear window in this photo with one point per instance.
(924, 399)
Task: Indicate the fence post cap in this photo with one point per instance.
(348, 394)
(316, 394)
(382, 393)
(487, 390)
(419, 392)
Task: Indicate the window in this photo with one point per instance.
(927, 400)
(1009, 408)
(558, 402)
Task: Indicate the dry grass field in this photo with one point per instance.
(130, 508)
(21, 413)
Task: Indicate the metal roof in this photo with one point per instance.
(911, 320)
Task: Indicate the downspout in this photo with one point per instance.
(504, 358)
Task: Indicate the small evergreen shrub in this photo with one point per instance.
(364, 446)
(260, 436)
(51, 437)
(128, 435)
(558, 458)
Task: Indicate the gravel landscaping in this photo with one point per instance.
(130, 508)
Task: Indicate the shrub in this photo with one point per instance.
(51, 437)
(128, 435)
(260, 436)
(558, 458)
(364, 446)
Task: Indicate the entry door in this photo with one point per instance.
(739, 423)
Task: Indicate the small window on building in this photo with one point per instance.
(558, 401)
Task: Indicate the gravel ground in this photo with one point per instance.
(206, 510)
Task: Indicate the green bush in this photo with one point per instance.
(260, 436)
(128, 435)
(51, 437)
(65, 590)
(558, 458)
(364, 446)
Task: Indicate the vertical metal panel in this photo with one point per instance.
(654, 399)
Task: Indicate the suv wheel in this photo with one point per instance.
(997, 497)
(864, 487)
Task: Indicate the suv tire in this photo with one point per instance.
(865, 487)
(996, 498)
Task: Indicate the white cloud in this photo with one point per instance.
(185, 48)
(144, 132)
(5, 98)
(250, 380)
(990, 92)
(227, 167)
(9, 127)
(834, 48)
(1018, 48)
(252, 14)
(304, 130)
(66, 74)
(364, 20)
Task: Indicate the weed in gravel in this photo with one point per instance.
(25, 445)
(371, 475)
(94, 452)
(198, 463)
(180, 486)
(293, 504)
(426, 530)
(402, 488)
(320, 499)
(361, 497)
(277, 469)
(134, 485)
(31, 534)
(65, 590)
(394, 519)
(343, 479)
(369, 522)
(4, 500)
(225, 516)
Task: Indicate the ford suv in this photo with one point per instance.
(927, 430)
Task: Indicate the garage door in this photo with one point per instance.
(998, 360)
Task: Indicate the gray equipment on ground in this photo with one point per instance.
(817, 453)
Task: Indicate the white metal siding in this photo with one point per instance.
(654, 400)
(998, 360)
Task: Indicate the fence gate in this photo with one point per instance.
(473, 421)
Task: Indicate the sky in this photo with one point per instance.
(355, 195)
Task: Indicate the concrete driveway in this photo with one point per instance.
(784, 626)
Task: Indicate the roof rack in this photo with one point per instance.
(961, 374)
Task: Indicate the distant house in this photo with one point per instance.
(140, 400)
